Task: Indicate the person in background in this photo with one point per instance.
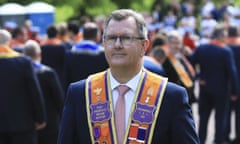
(63, 35)
(52, 36)
(177, 67)
(154, 60)
(35, 34)
(217, 81)
(234, 43)
(53, 52)
(73, 32)
(19, 37)
(52, 93)
(22, 109)
(86, 57)
(10, 26)
(126, 103)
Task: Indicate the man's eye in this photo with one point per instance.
(111, 37)
(125, 37)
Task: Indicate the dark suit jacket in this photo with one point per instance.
(54, 56)
(173, 76)
(53, 97)
(21, 100)
(217, 69)
(236, 53)
(79, 65)
(174, 124)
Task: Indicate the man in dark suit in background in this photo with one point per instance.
(234, 44)
(217, 80)
(21, 101)
(53, 52)
(86, 57)
(177, 68)
(52, 92)
(151, 111)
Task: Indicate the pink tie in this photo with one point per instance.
(120, 113)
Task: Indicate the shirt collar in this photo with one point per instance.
(132, 84)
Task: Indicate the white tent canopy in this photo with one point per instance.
(12, 9)
(39, 7)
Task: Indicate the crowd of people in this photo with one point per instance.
(54, 88)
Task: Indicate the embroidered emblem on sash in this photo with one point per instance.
(143, 113)
(98, 91)
(100, 112)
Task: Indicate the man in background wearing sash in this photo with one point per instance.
(154, 111)
(218, 83)
(21, 102)
(177, 67)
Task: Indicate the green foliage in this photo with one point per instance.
(73, 9)
(63, 13)
(142, 5)
(237, 2)
(103, 7)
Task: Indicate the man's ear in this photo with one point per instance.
(145, 46)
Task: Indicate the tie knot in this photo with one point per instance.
(122, 89)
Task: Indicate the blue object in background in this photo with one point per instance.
(41, 14)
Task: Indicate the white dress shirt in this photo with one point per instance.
(129, 96)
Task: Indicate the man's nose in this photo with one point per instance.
(118, 42)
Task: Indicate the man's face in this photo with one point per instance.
(175, 45)
(123, 45)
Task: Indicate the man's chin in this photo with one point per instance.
(118, 65)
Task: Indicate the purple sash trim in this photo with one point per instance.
(107, 97)
(142, 85)
(89, 91)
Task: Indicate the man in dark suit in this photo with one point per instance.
(53, 52)
(217, 80)
(86, 57)
(151, 110)
(52, 92)
(234, 44)
(178, 69)
(21, 102)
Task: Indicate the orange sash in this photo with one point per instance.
(53, 41)
(7, 52)
(218, 43)
(77, 38)
(184, 77)
(146, 106)
(233, 41)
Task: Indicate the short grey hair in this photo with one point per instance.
(31, 48)
(219, 31)
(122, 14)
(174, 34)
(5, 37)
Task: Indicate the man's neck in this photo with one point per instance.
(124, 75)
